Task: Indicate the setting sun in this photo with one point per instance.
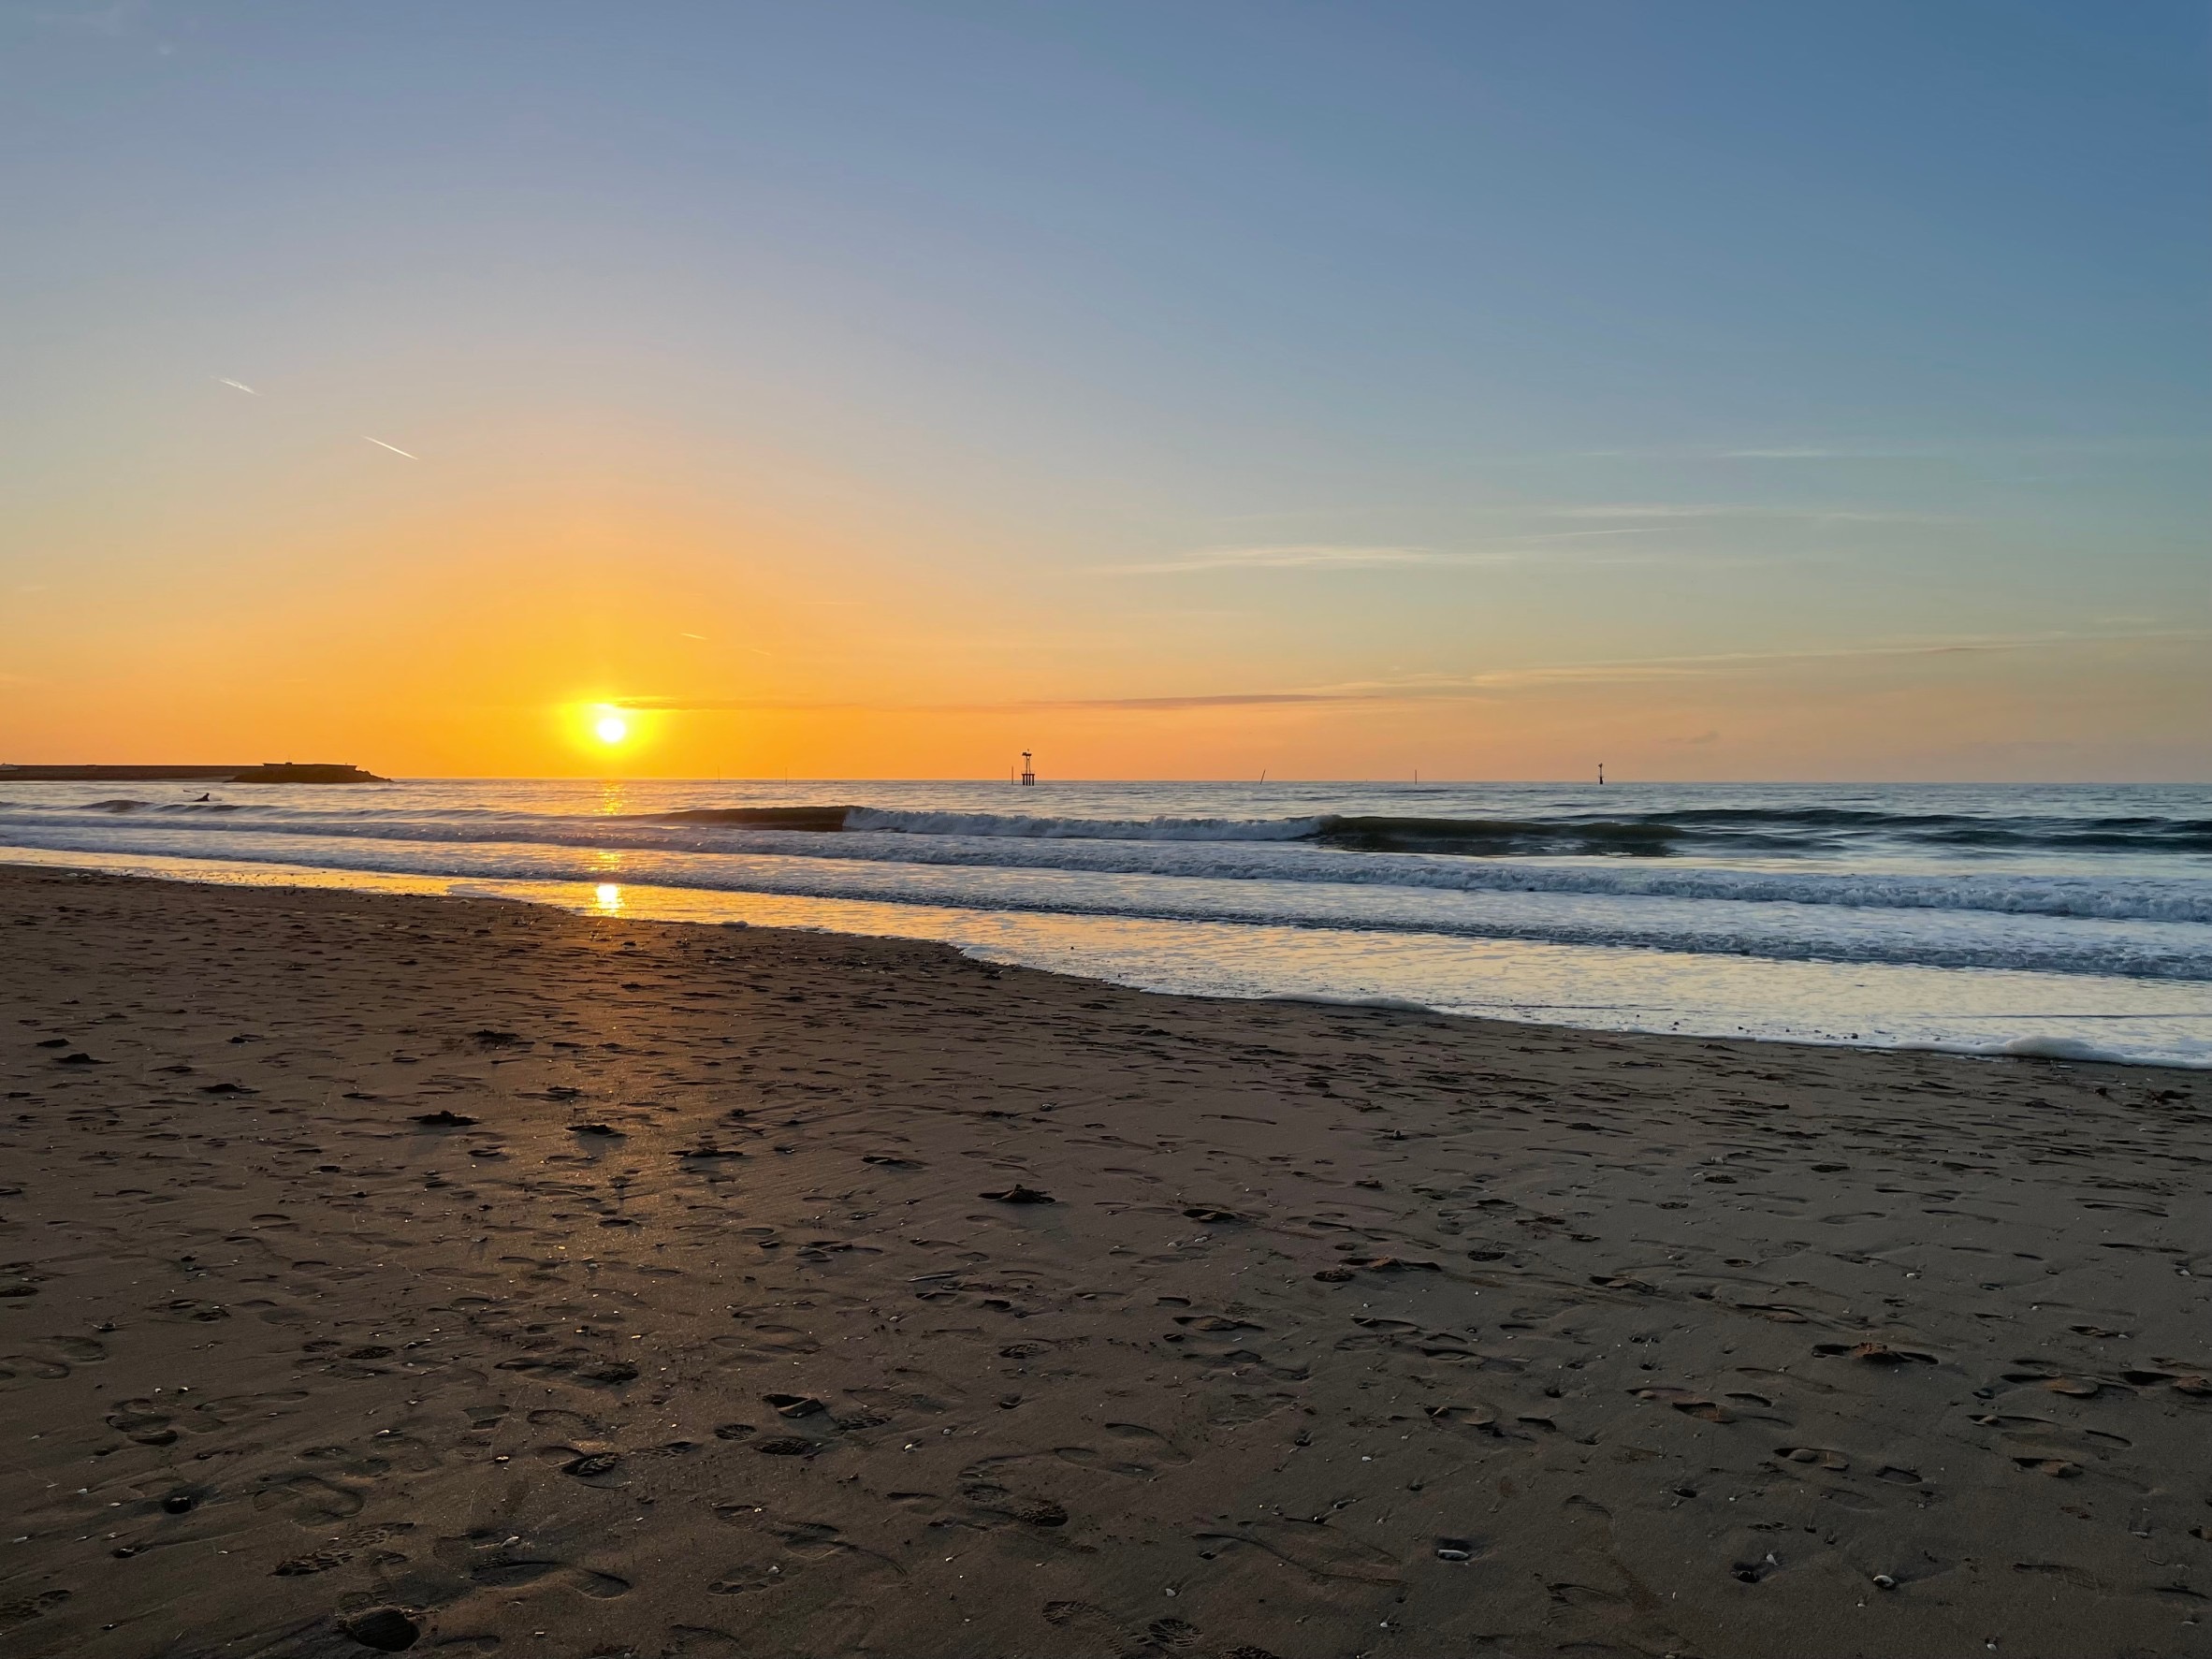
(612, 728)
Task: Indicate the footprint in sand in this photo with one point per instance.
(1214, 1322)
(774, 1339)
(593, 1466)
(2078, 1388)
(1873, 1353)
(793, 1405)
(24, 1608)
(1683, 1400)
(572, 1423)
(141, 1422)
(341, 1549)
(994, 1505)
(1817, 1456)
(1316, 1547)
(809, 1540)
(70, 1350)
(1077, 1612)
(388, 1630)
(313, 1500)
(1465, 1416)
(604, 1373)
(1131, 1449)
(789, 1446)
(49, 1370)
(232, 1408)
(508, 1574)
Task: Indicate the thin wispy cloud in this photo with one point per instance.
(1333, 555)
(1720, 510)
(1706, 663)
(661, 705)
(1419, 687)
(809, 705)
(124, 19)
(1808, 453)
(393, 447)
(1476, 686)
(1964, 449)
(1294, 557)
(1204, 700)
(237, 385)
(1967, 449)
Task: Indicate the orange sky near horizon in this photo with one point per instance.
(475, 637)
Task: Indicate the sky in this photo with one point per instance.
(1717, 390)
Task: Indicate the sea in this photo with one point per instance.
(2066, 921)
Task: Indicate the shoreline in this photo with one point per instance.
(1143, 956)
(694, 1326)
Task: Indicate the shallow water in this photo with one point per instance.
(1990, 918)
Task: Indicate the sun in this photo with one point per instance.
(611, 728)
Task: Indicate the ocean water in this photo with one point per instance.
(2063, 920)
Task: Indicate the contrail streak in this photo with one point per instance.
(393, 447)
(241, 385)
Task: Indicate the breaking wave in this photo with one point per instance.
(1717, 830)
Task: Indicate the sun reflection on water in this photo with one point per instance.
(609, 896)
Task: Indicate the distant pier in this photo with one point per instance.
(267, 772)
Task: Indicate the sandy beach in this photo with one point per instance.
(455, 1274)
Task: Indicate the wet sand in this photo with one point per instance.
(454, 1273)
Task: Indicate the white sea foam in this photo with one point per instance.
(2059, 1048)
(2115, 897)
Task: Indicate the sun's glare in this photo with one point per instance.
(612, 728)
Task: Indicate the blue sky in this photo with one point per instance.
(1413, 357)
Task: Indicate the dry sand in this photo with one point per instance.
(697, 1329)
